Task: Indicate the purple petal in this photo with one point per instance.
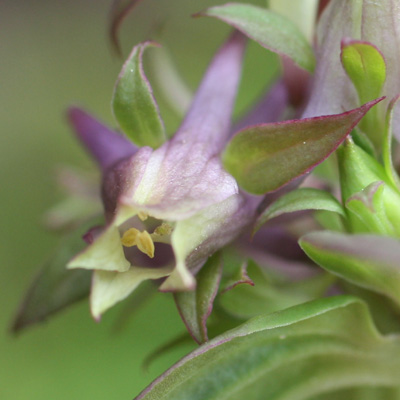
(209, 116)
(104, 145)
(332, 90)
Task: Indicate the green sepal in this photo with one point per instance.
(269, 29)
(134, 105)
(300, 200)
(56, 287)
(299, 353)
(195, 306)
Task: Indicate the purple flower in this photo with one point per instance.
(177, 196)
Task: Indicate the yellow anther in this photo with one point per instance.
(163, 229)
(143, 240)
(143, 215)
(145, 243)
(129, 238)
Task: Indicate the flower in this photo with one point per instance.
(177, 195)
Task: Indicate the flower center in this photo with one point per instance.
(144, 240)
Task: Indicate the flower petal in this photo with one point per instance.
(105, 253)
(185, 175)
(209, 116)
(108, 288)
(196, 238)
(104, 145)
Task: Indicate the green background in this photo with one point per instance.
(52, 54)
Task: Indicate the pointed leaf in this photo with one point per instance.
(195, 306)
(133, 103)
(302, 13)
(301, 352)
(299, 200)
(55, 287)
(264, 157)
(269, 29)
(369, 261)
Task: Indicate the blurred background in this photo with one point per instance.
(53, 54)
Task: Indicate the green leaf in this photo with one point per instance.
(265, 157)
(195, 306)
(300, 200)
(301, 13)
(369, 261)
(304, 351)
(56, 287)
(269, 29)
(133, 103)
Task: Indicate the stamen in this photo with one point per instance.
(143, 215)
(145, 243)
(163, 229)
(129, 238)
(143, 240)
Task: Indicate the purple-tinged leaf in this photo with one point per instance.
(55, 287)
(104, 145)
(134, 105)
(119, 11)
(269, 29)
(265, 157)
(195, 306)
(300, 200)
(369, 261)
(308, 350)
